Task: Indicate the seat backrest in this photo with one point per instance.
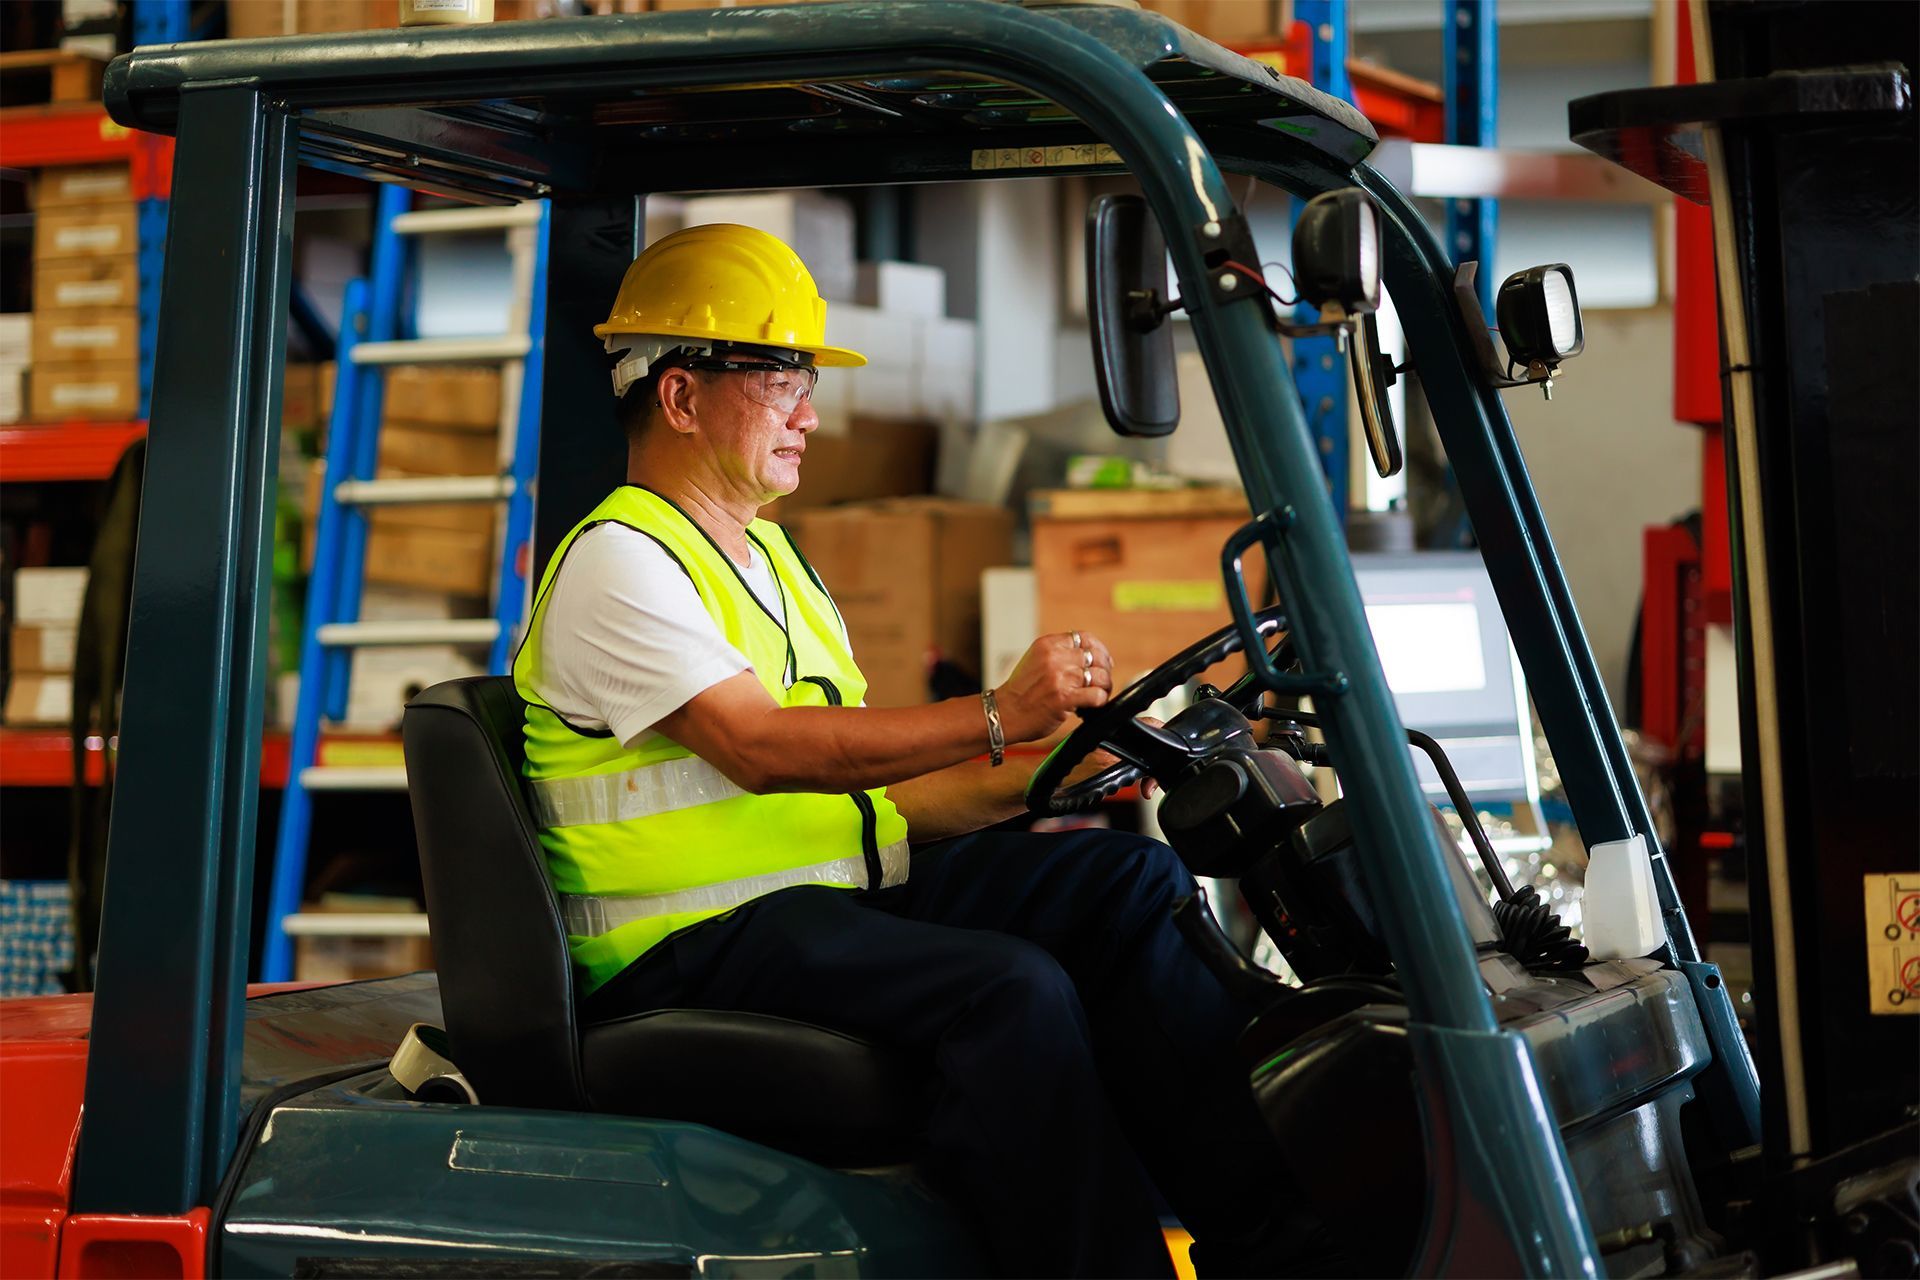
(506, 982)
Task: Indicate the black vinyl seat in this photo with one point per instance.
(507, 985)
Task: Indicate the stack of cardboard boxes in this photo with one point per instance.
(46, 619)
(85, 351)
(438, 422)
(422, 562)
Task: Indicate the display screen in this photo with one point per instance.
(1429, 648)
(1444, 648)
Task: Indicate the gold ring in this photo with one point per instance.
(1076, 640)
(1086, 657)
(1086, 676)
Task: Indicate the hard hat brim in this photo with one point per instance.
(834, 357)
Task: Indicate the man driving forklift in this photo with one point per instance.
(728, 825)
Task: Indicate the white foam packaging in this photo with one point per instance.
(13, 393)
(947, 356)
(48, 596)
(16, 338)
(902, 288)
(1009, 613)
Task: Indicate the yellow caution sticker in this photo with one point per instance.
(1893, 942)
(1083, 155)
(1187, 595)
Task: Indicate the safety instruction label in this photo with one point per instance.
(1084, 154)
(1893, 942)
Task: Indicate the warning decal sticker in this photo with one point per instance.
(1893, 943)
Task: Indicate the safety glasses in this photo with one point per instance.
(780, 387)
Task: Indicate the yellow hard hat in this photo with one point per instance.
(725, 283)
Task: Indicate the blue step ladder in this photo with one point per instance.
(372, 339)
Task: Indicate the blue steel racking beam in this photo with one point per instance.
(1471, 54)
(1319, 369)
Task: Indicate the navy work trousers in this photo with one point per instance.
(1076, 1035)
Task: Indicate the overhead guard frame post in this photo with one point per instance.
(162, 1098)
(1485, 1093)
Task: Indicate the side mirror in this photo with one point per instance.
(1373, 373)
(1127, 309)
(1539, 315)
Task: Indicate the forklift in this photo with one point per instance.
(1464, 1091)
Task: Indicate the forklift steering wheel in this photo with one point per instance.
(1143, 749)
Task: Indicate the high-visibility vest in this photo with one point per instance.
(642, 843)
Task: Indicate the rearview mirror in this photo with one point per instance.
(1373, 373)
(1127, 309)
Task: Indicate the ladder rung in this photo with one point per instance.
(506, 346)
(353, 778)
(424, 490)
(356, 924)
(479, 218)
(360, 635)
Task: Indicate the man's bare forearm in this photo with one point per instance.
(954, 801)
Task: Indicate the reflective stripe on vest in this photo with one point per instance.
(631, 793)
(588, 916)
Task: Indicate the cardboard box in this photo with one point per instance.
(902, 288)
(86, 336)
(103, 391)
(1228, 21)
(319, 16)
(905, 574)
(875, 459)
(818, 227)
(65, 187)
(357, 957)
(435, 560)
(48, 596)
(87, 282)
(438, 451)
(474, 518)
(34, 699)
(44, 650)
(100, 231)
(444, 397)
(251, 19)
(385, 680)
(300, 397)
(1139, 569)
(16, 337)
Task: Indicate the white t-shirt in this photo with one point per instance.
(625, 640)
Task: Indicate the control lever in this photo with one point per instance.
(1462, 803)
(1244, 979)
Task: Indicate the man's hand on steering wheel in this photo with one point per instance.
(1056, 677)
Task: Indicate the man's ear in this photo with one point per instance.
(676, 391)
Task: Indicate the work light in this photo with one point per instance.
(1539, 317)
(1336, 254)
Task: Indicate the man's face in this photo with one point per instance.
(754, 440)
